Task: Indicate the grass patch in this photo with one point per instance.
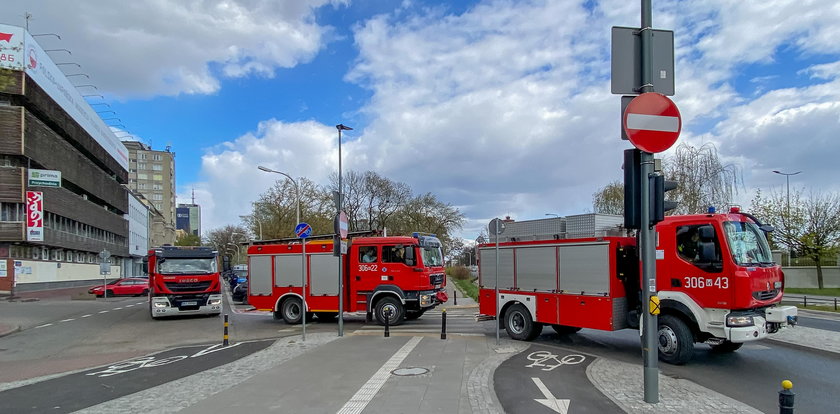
(814, 291)
(825, 308)
(467, 287)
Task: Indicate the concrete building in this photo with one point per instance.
(62, 172)
(189, 218)
(139, 218)
(152, 174)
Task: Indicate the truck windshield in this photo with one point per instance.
(187, 266)
(748, 244)
(432, 256)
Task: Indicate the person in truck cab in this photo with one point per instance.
(688, 244)
(369, 255)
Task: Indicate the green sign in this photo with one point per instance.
(44, 178)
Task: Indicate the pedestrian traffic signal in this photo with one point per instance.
(632, 188)
(658, 205)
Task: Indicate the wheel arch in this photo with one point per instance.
(285, 297)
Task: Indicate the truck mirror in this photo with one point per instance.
(145, 267)
(706, 233)
(226, 263)
(409, 256)
(767, 228)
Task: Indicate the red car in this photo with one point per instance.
(134, 286)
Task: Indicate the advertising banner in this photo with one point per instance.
(26, 54)
(44, 178)
(34, 216)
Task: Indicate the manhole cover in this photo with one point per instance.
(407, 372)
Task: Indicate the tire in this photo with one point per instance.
(726, 347)
(392, 304)
(292, 311)
(326, 316)
(519, 324)
(144, 292)
(565, 330)
(676, 343)
(109, 293)
(412, 315)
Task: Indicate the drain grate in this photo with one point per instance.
(410, 371)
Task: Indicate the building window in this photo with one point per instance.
(141, 156)
(157, 177)
(157, 167)
(142, 166)
(157, 197)
(156, 157)
(157, 187)
(12, 212)
(141, 176)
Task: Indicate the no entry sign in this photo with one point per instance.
(652, 122)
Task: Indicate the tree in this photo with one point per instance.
(228, 241)
(808, 226)
(609, 199)
(188, 239)
(703, 180)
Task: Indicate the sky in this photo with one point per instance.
(500, 108)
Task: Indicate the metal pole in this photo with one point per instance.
(650, 329)
(302, 261)
(338, 211)
(498, 316)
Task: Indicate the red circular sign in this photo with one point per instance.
(652, 122)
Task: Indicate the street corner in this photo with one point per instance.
(8, 329)
(549, 380)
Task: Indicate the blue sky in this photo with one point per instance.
(497, 107)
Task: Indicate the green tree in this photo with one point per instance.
(609, 199)
(188, 240)
(229, 241)
(808, 226)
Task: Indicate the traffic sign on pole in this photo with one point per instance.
(652, 122)
(303, 230)
(341, 224)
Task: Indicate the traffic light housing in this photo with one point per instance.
(632, 188)
(658, 205)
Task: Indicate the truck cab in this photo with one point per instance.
(183, 280)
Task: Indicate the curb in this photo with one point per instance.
(9, 331)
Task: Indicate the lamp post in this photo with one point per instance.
(303, 250)
(787, 202)
(338, 205)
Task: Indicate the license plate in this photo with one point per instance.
(437, 286)
(193, 303)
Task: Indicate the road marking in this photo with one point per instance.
(365, 394)
(87, 316)
(213, 348)
(103, 311)
(68, 320)
(43, 326)
(128, 306)
(400, 328)
(540, 357)
(116, 309)
(558, 405)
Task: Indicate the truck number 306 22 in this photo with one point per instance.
(367, 268)
(701, 282)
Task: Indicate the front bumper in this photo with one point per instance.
(166, 306)
(770, 322)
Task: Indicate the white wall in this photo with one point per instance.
(34, 271)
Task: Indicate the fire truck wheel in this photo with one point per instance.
(292, 311)
(565, 330)
(726, 347)
(676, 344)
(519, 324)
(389, 305)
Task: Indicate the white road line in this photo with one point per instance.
(116, 309)
(68, 320)
(400, 328)
(103, 311)
(365, 394)
(43, 326)
(87, 316)
(128, 306)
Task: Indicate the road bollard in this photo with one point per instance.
(443, 325)
(835, 303)
(804, 301)
(786, 398)
(387, 323)
(225, 342)
(455, 296)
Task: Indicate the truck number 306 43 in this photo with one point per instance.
(701, 282)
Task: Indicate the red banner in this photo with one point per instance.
(34, 216)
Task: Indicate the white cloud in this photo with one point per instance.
(159, 47)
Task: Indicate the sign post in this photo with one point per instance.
(303, 230)
(497, 227)
(104, 270)
(342, 226)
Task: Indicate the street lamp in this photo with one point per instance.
(303, 251)
(552, 214)
(338, 205)
(787, 179)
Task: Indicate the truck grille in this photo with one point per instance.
(766, 294)
(188, 287)
(436, 279)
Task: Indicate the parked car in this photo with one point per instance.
(133, 286)
(240, 292)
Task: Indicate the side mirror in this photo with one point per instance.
(226, 263)
(409, 256)
(767, 228)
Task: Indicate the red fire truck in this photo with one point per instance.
(183, 280)
(715, 277)
(398, 276)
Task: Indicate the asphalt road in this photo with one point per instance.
(752, 375)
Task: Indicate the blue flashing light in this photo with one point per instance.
(711, 209)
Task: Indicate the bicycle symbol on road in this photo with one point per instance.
(548, 361)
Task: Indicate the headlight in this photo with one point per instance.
(424, 300)
(160, 304)
(215, 301)
(735, 321)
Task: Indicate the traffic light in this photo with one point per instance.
(632, 188)
(658, 205)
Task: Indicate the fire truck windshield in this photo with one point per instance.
(432, 256)
(748, 245)
(175, 266)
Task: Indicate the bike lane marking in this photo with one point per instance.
(555, 382)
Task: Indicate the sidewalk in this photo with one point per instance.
(463, 300)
